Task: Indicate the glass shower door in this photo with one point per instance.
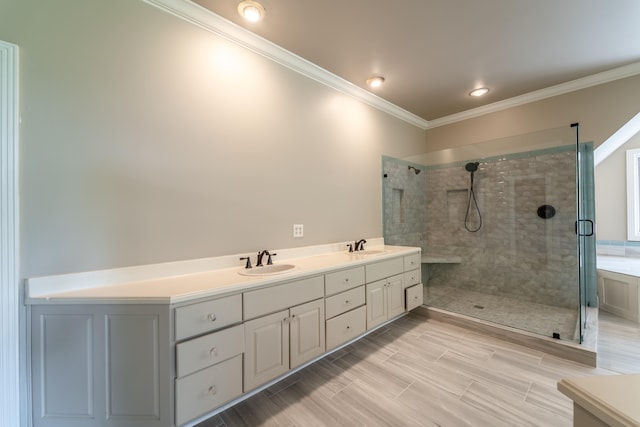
(585, 232)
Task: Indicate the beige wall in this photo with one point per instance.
(601, 110)
(145, 139)
(611, 193)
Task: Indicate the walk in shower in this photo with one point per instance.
(505, 227)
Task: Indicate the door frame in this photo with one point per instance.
(11, 345)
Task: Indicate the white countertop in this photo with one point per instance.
(613, 399)
(618, 264)
(111, 286)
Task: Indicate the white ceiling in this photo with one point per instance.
(433, 52)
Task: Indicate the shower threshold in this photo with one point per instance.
(541, 319)
(465, 311)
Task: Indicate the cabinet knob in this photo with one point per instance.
(213, 390)
(346, 280)
(213, 352)
(348, 327)
(347, 302)
(211, 317)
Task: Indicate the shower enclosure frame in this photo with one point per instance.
(406, 185)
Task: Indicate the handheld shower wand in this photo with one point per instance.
(472, 168)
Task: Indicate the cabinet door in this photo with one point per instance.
(307, 332)
(395, 296)
(376, 303)
(266, 349)
(99, 365)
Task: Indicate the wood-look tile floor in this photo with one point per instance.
(419, 372)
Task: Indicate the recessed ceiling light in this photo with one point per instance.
(375, 81)
(479, 92)
(251, 10)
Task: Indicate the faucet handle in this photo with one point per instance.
(269, 262)
(350, 246)
(248, 263)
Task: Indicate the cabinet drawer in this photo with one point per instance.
(205, 390)
(345, 327)
(268, 300)
(412, 261)
(343, 280)
(208, 350)
(414, 296)
(382, 269)
(207, 316)
(412, 278)
(344, 301)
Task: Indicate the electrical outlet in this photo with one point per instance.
(298, 230)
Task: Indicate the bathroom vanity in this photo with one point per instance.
(166, 345)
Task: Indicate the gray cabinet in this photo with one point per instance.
(385, 300)
(162, 365)
(283, 340)
(101, 365)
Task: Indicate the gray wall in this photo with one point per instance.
(405, 203)
(145, 139)
(515, 253)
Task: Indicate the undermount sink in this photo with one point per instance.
(369, 252)
(267, 270)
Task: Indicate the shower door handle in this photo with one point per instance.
(590, 226)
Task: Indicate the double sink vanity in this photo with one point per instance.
(169, 344)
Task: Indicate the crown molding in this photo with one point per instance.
(560, 89)
(226, 29)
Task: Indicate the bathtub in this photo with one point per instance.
(618, 283)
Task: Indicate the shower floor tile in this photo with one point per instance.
(537, 318)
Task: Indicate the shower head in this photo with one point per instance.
(417, 171)
(471, 167)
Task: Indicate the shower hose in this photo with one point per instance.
(472, 197)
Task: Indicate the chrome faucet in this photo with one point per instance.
(359, 245)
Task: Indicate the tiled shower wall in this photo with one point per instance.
(516, 253)
(405, 203)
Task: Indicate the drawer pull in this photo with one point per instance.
(211, 317)
(348, 327)
(347, 302)
(213, 352)
(346, 280)
(213, 390)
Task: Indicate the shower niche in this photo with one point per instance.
(524, 270)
